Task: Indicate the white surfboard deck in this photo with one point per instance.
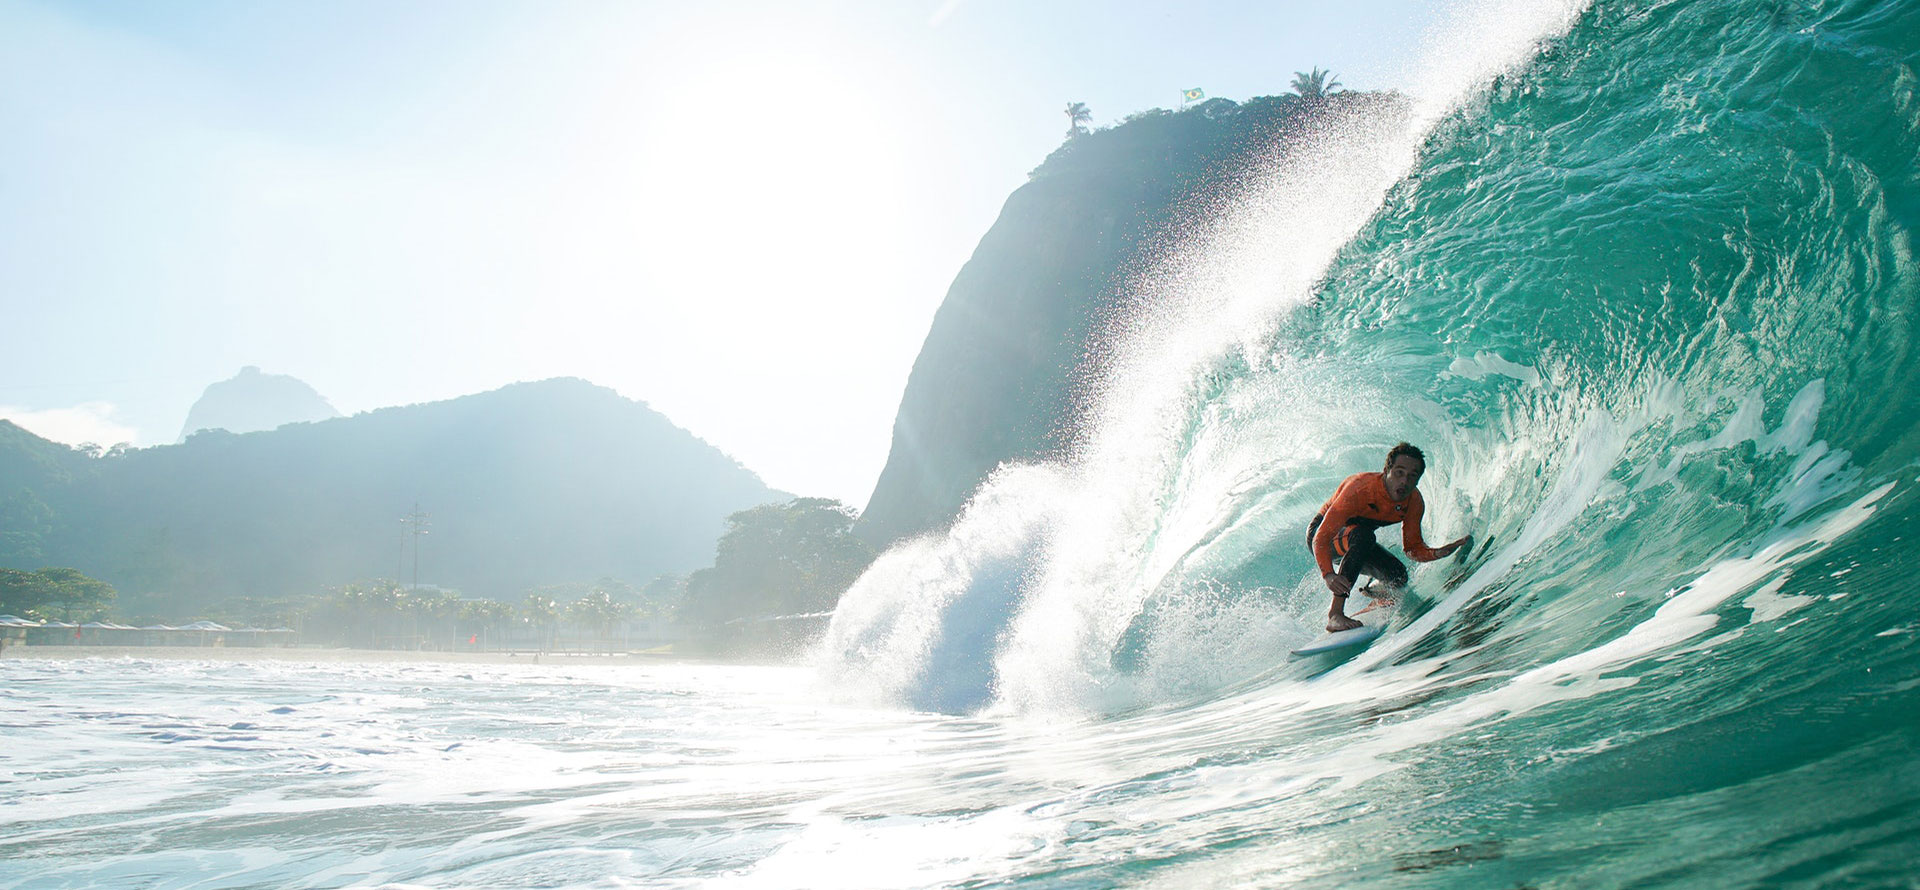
(1330, 642)
(1380, 611)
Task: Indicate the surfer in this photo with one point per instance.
(1363, 504)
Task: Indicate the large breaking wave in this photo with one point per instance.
(1640, 278)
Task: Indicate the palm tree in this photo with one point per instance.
(383, 602)
(434, 612)
(352, 607)
(541, 612)
(600, 612)
(1077, 118)
(1314, 86)
(488, 616)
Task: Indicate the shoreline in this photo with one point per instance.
(222, 653)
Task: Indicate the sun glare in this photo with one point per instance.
(778, 153)
(739, 214)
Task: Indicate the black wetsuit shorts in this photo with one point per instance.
(1360, 554)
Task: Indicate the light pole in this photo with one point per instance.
(414, 525)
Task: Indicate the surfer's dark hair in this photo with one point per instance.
(1403, 449)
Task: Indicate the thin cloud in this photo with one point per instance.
(946, 9)
(85, 422)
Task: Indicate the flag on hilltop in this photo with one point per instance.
(1193, 95)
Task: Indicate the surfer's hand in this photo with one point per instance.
(1337, 583)
(1457, 544)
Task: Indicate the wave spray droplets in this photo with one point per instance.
(1031, 591)
(1650, 306)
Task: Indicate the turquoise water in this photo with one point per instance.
(1648, 303)
(1638, 277)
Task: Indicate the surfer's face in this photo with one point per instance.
(1402, 476)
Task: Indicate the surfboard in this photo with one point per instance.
(1380, 607)
(1333, 642)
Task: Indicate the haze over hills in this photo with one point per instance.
(251, 401)
(999, 376)
(531, 484)
(561, 480)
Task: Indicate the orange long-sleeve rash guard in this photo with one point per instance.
(1364, 496)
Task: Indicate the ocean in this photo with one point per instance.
(1638, 277)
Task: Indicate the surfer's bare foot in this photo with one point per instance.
(1338, 623)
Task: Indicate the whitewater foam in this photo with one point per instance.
(1142, 500)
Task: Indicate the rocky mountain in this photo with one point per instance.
(1019, 330)
(252, 401)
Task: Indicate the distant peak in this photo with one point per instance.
(252, 401)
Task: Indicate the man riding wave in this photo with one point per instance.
(1363, 504)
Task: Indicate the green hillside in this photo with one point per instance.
(533, 484)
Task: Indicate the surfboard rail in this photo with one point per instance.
(1337, 640)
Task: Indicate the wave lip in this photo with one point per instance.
(1103, 550)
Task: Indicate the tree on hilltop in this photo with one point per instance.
(1314, 85)
(1077, 118)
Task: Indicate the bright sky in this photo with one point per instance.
(742, 213)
